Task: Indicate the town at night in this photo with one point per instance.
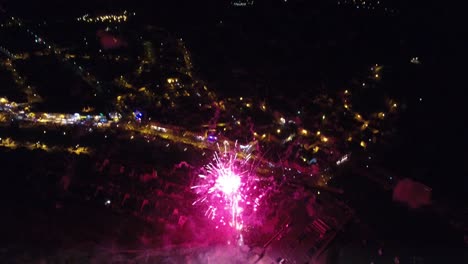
(231, 131)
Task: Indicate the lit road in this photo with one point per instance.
(172, 133)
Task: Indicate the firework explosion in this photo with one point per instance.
(227, 186)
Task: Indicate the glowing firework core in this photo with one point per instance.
(228, 181)
(226, 186)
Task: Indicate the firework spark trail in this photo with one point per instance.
(227, 185)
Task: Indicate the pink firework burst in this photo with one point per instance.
(226, 184)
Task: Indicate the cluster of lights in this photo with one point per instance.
(85, 75)
(187, 69)
(40, 40)
(21, 82)
(7, 52)
(415, 60)
(366, 5)
(376, 72)
(319, 142)
(172, 80)
(106, 18)
(12, 144)
(20, 114)
(11, 21)
(160, 93)
(11, 110)
(314, 146)
(312, 139)
(226, 187)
